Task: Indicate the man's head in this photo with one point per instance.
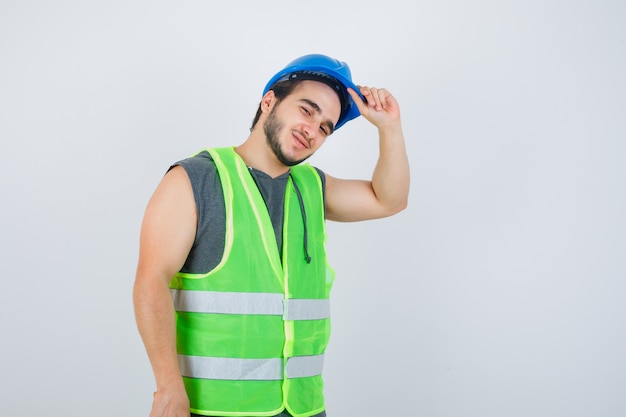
(296, 125)
(315, 67)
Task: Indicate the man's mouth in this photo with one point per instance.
(301, 139)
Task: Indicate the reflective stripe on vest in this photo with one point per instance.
(218, 302)
(249, 369)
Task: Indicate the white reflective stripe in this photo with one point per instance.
(304, 366)
(307, 309)
(228, 302)
(218, 302)
(249, 369)
(230, 368)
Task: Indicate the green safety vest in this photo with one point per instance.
(251, 333)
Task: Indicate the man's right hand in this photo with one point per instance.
(170, 404)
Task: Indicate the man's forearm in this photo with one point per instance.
(391, 177)
(154, 312)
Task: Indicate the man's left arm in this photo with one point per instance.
(387, 192)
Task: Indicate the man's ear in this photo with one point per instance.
(268, 101)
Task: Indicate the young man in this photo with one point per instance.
(232, 286)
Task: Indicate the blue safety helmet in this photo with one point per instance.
(330, 71)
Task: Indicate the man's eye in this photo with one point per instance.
(324, 130)
(306, 111)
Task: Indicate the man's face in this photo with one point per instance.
(298, 125)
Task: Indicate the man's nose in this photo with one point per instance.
(311, 128)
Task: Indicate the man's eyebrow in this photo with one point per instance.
(315, 107)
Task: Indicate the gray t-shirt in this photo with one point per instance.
(208, 248)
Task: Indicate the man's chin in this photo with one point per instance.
(299, 161)
(285, 160)
(291, 162)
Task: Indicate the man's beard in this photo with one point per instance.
(272, 128)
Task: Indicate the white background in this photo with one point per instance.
(498, 292)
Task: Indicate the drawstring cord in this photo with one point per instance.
(307, 258)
